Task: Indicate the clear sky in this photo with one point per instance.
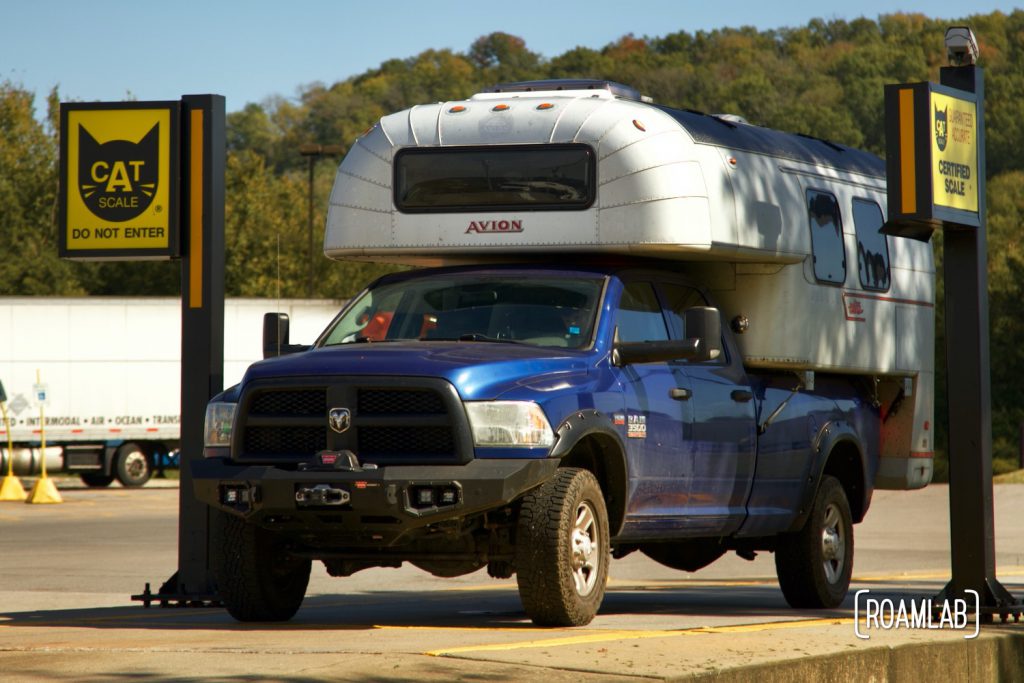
(97, 50)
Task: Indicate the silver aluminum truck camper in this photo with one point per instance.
(781, 228)
(650, 330)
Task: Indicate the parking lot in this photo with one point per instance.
(67, 571)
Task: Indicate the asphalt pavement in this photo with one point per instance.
(67, 571)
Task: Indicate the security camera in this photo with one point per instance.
(961, 46)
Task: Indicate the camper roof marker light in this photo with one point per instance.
(545, 105)
(500, 107)
(639, 126)
(457, 109)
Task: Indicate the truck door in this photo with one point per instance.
(655, 415)
(723, 428)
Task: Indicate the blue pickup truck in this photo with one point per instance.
(630, 328)
(536, 420)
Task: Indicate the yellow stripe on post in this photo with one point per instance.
(195, 242)
(908, 166)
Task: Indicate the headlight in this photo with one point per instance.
(505, 424)
(217, 429)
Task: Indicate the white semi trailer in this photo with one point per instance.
(111, 372)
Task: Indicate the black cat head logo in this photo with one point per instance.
(118, 179)
(941, 128)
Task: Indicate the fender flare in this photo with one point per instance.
(832, 435)
(611, 464)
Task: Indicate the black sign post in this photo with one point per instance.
(202, 332)
(968, 382)
(935, 138)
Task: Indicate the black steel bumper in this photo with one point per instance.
(366, 508)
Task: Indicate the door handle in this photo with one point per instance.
(680, 394)
(741, 395)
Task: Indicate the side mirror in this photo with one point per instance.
(3, 394)
(703, 328)
(628, 353)
(275, 336)
(705, 324)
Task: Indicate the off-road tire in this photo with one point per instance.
(257, 579)
(566, 512)
(132, 465)
(814, 565)
(96, 479)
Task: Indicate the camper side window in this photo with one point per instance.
(872, 247)
(826, 237)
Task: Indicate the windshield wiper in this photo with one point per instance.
(473, 336)
(364, 340)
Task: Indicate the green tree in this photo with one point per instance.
(28, 200)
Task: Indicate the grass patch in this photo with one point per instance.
(1016, 477)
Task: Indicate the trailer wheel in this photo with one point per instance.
(257, 578)
(96, 479)
(814, 565)
(562, 549)
(132, 465)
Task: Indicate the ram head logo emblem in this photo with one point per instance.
(340, 419)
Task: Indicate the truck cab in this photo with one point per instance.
(578, 372)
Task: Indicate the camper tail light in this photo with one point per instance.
(509, 424)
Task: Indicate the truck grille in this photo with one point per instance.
(394, 421)
(303, 402)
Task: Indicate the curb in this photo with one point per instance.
(994, 656)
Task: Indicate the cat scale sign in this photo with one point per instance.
(933, 152)
(119, 180)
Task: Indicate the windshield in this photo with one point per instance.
(542, 311)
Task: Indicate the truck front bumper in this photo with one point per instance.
(365, 508)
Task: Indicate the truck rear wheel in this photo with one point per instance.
(257, 578)
(132, 465)
(814, 565)
(562, 549)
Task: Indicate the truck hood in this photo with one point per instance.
(478, 370)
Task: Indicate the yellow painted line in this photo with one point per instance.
(603, 637)
(484, 587)
(926, 575)
(776, 626)
(509, 629)
(689, 583)
(613, 636)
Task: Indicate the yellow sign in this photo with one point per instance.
(119, 180)
(954, 140)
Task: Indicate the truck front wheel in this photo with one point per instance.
(562, 549)
(257, 578)
(132, 465)
(814, 565)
